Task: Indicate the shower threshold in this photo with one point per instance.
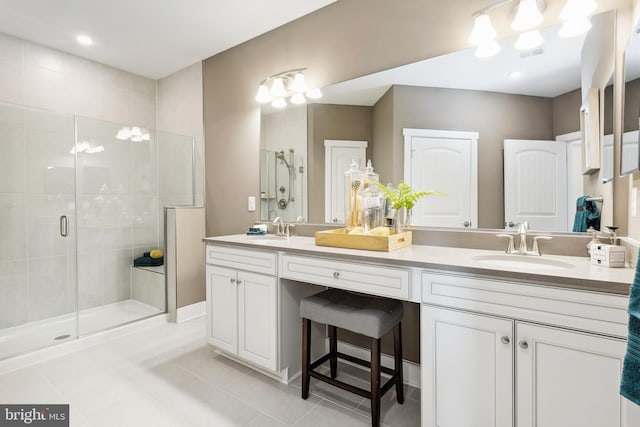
(32, 336)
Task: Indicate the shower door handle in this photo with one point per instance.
(64, 226)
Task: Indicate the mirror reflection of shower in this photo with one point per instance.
(283, 188)
(283, 202)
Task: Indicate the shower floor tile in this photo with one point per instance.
(43, 333)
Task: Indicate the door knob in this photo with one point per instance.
(523, 344)
(505, 340)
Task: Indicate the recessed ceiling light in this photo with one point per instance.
(84, 40)
(515, 75)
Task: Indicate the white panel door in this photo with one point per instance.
(257, 324)
(535, 184)
(567, 378)
(338, 156)
(467, 369)
(222, 313)
(447, 162)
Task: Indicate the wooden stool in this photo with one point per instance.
(364, 315)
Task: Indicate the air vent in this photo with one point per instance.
(532, 52)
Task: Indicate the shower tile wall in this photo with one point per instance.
(37, 268)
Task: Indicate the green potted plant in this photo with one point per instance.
(403, 199)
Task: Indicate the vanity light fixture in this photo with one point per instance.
(287, 84)
(528, 17)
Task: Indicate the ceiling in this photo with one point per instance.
(153, 38)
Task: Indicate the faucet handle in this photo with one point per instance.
(536, 249)
(510, 248)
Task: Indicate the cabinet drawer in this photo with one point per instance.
(588, 311)
(243, 259)
(372, 279)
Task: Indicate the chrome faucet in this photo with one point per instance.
(284, 229)
(522, 244)
(280, 231)
(522, 232)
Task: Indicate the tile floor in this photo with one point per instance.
(167, 376)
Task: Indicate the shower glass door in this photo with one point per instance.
(38, 291)
(118, 211)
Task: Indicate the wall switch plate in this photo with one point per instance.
(251, 204)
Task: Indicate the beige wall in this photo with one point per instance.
(346, 122)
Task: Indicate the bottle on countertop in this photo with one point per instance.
(372, 200)
(354, 183)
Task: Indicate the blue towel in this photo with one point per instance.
(630, 384)
(587, 215)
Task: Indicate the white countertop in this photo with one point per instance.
(581, 274)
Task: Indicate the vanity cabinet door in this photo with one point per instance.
(567, 378)
(467, 369)
(222, 308)
(257, 322)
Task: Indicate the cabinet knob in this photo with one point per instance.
(238, 282)
(505, 340)
(523, 344)
(232, 280)
(467, 224)
(336, 274)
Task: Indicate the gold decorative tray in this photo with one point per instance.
(339, 238)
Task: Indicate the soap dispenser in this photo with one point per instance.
(372, 198)
(354, 183)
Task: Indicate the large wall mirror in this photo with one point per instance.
(630, 160)
(531, 96)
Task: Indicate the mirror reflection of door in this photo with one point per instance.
(443, 161)
(535, 184)
(337, 158)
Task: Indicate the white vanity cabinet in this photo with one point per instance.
(488, 360)
(242, 305)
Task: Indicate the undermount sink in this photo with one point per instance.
(522, 261)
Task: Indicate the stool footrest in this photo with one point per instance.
(353, 389)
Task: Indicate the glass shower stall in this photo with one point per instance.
(80, 199)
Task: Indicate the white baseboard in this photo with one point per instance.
(190, 312)
(62, 349)
(410, 370)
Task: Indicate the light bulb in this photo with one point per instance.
(529, 40)
(298, 98)
(487, 49)
(279, 103)
(124, 133)
(263, 94)
(575, 27)
(314, 93)
(136, 132)
(298, 85)
(575, 9)
(277, 88)
(84, 40)
(527, 17)
(482, 30)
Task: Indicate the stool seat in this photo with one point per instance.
(364, 315)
